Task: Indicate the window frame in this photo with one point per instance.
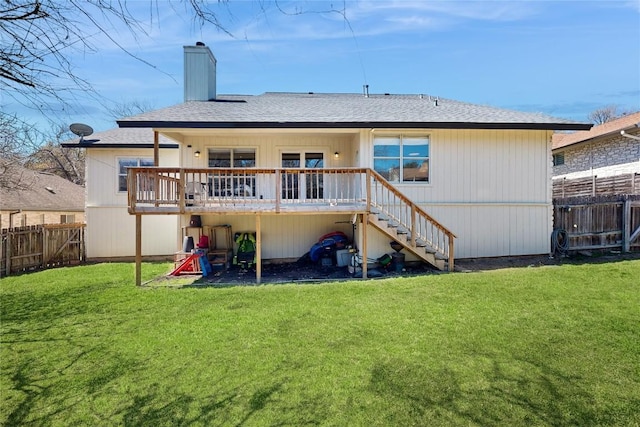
(402, 158)
(236, 186)
(138, 160)
(558, 158)
(67, 218)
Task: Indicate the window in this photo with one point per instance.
(558, 159)
(233, 184)
(402, 158)
(67, 219)
(312, 183)
(124, 164)
(238, 157)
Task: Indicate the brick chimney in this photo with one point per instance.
(199, 73)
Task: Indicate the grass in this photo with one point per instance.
(533, 346)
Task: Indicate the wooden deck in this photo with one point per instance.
(236, 191)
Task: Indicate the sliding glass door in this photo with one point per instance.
(299, 185)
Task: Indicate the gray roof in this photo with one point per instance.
(39, 191)
(332, 110)
(121, 138)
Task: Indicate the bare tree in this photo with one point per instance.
(15, 138)
(51, 157)
(606, 114)
(39, 35)
(126, 109)
(24, 145)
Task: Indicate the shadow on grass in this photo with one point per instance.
(223, 408)
(511, 392)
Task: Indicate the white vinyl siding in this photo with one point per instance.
(492, 188)
(111, 233)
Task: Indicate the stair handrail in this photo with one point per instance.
(415, 210)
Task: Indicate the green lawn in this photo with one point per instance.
(531, 346)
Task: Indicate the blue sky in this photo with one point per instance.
(564, 58)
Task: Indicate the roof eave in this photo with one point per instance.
(614, 132)
(346, 125)
(117, 145)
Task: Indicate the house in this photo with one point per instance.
(444, 178)
(29, 197)
(602, 160)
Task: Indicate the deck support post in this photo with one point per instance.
(451, 266)
(365, 225)
(156, 149)
(258, 251)
(138, 249)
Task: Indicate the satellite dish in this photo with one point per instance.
(81, 130)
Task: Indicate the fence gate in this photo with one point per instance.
(603, 222)
(41, 246)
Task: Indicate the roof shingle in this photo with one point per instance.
(41, 191)
(298, 110)
(561, 140)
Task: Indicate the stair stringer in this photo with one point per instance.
(421, 252)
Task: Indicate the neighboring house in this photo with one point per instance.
(602, 151)
(33, 198)
(445, 178)
(110, 231)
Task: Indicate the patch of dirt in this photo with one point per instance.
(307, 272)
(586, 257)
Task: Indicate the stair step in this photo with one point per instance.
(398, 231)
(402, 230)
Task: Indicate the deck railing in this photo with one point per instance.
(179, 190)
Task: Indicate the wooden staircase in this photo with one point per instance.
(396, 216)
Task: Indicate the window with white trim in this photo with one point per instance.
(402, 158)
(126, 163)
(67, 219)
(235, 184)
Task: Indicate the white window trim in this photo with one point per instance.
(118, 159)
(401, 135)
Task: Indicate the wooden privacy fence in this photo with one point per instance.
(41, 246)
(597, 186)
(602, 222)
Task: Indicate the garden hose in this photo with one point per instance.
(559, 242)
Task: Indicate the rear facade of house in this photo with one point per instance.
(445, 178)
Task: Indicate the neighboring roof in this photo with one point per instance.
(628, 122)
(331, 110)
(39, 191)
(121, 138)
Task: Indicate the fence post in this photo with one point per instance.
(8, 252)
(626, 224)
(45, 254)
